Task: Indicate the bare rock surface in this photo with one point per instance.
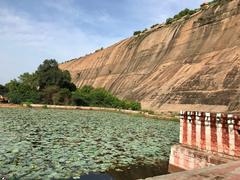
(192, 64)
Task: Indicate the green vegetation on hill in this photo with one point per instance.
(137, 33)
(51, 85)
(187, 12)
(184, 13)
(155, 25)
(99, 49)
(217, 2)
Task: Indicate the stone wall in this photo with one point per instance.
(185, 158)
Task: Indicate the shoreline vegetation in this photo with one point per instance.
(169, 116)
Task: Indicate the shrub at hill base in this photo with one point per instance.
(99, 97)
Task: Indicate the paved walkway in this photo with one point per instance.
(230, 171)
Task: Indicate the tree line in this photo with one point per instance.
(50, 85)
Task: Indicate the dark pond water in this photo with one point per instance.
(130, 173)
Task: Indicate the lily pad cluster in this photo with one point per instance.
(45, 144)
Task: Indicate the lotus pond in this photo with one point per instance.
(46, 144)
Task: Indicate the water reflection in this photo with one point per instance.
(97, 176)
(130, 173)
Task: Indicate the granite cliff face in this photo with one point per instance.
(192, 64)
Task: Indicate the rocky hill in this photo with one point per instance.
(191, 64)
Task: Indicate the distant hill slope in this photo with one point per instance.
(192, 64)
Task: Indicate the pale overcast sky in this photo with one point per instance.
(34, 30)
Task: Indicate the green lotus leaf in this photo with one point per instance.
(45, 144)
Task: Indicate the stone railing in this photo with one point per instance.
(206, 139)
(215, 132)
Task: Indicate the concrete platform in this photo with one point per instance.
(183, 158)
(229, 171)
